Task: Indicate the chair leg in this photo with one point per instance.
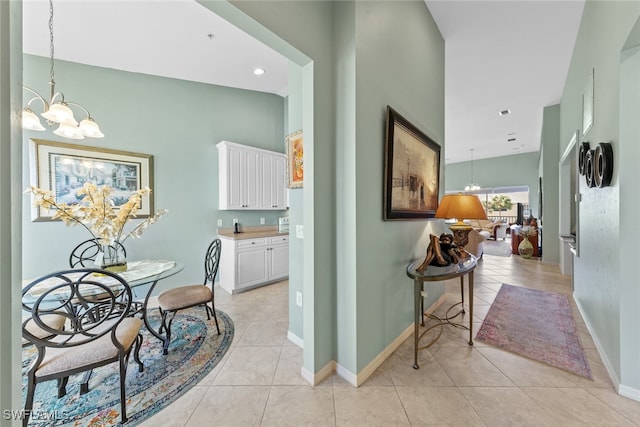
(136, 353)
(213, 310)
(62, 386)
(123, 400)
(167, 328)
(31, 388)
(84, 386)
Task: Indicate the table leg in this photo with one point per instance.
(145, 317)
(417, 304)
(462, 293)
(471, 307)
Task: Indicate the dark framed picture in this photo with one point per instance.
(411, 170)
(64, 168)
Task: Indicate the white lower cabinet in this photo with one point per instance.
(249, 263)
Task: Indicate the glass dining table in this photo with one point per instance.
(149, 272)
(138, 274)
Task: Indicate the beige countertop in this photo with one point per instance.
(251, 232)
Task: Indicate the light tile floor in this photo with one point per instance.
(258, 382)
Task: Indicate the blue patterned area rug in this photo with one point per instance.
(195, 350)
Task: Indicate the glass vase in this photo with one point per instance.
(525, 248)
(112, 258)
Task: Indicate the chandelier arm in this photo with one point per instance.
(37, 96)
(80, 106)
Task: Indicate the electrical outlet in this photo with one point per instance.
(235, 221)
(219, 223)
(262, 221)
(299, 299)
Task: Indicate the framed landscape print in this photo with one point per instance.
(411, 170)
(64, 168)
(295, 160)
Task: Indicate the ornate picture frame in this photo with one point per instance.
(64, 168)
(295, 160)
(411, 171)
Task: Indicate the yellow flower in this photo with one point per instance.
(96, 212)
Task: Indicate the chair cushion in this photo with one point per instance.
(183, 297)
(85, 355)
(55, 321)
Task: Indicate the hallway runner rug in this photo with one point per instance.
(195, 349)
(535, 324)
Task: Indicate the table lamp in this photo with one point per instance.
(460, 206)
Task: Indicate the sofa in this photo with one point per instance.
(497, 229)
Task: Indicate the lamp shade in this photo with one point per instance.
(69, 130)
(30, 121)
(59, 113)
(461, 206)
(88, 127)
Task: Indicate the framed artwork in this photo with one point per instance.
(411, 170)
(587, 105)
(295, 160)
(63, 168)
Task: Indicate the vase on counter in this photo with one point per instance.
(112, 258)
(525, 248)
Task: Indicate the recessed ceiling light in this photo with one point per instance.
(505, 112)
(258, 71)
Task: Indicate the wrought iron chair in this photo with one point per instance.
(96, 331)
(173, 300)
(85, 254)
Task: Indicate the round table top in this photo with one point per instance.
(433, 273)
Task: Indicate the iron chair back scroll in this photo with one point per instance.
(173, 300)
(84, 255)
(96, 331)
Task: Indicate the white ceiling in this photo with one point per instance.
(499, 55)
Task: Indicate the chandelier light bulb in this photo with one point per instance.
(31, 121)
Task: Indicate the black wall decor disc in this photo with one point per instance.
(582, 157)
(603, 164)
(589, 169)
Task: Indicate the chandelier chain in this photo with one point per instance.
(51, 71)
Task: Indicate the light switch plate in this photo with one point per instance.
(300, 231)
(219, 223)
(262, 221)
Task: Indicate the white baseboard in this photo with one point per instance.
(295, 339)
(630, 392)
(622, 390)
(358, 379)
(321, 375)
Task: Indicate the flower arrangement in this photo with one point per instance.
(527, 231)
(96, 212)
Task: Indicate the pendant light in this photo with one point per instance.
(56, 110)
(472, 186)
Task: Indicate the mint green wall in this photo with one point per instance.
(550, 155)
(401, 65)
(10, 206)
(293, 114)
(348, 121)
(179, 123)
(302, 32)
(508, 171)
(604, 291)
(629, 205)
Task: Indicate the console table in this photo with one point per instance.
(438, 274)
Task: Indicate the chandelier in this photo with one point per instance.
(472, 186)
(57, 110)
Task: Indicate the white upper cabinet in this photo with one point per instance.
(250, 178)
